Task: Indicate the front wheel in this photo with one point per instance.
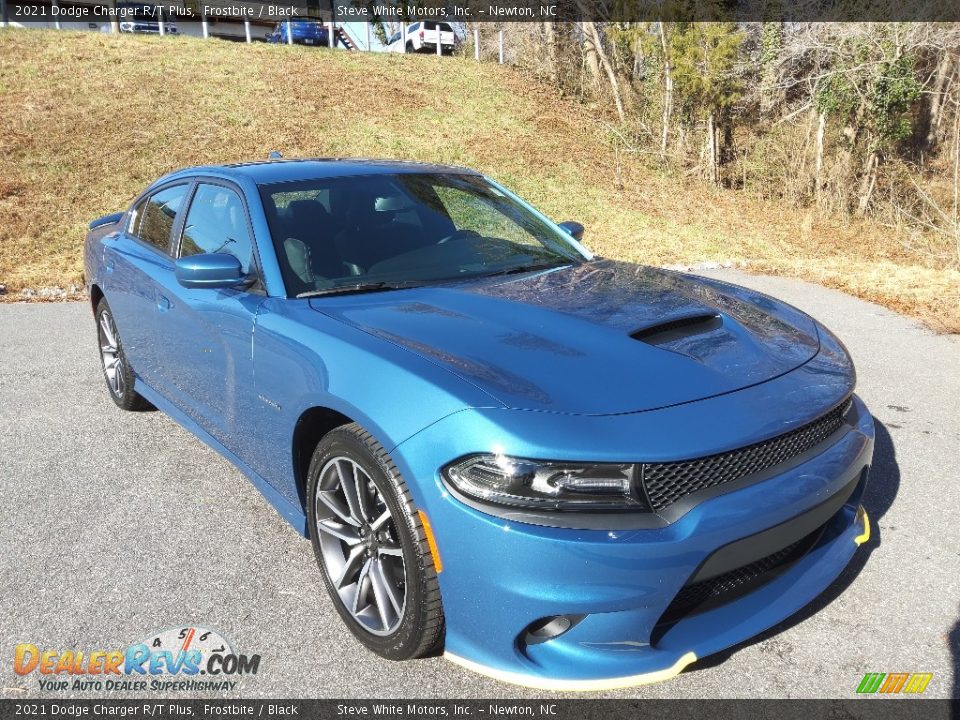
(116, 369)
(371, 546)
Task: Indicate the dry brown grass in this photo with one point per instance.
(88, 120)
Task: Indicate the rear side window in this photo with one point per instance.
(158, 215)
(217, 223)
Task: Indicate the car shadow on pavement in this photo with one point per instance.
(882, 489)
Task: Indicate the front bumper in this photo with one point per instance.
(500, 576)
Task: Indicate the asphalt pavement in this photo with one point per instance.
(119, 524)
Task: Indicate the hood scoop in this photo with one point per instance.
(678, 328)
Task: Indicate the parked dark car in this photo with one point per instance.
(303, 32)
(144, 18)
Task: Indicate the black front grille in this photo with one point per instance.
(668, 482)
(731, 585)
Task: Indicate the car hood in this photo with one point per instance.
(597, 338)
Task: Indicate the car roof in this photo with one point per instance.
(277, 171)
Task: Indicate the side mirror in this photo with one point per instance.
(211, 271)
(573, 228)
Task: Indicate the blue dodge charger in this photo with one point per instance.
(564, 471)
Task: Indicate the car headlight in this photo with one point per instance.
(546, 485)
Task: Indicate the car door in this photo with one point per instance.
(206, 334)
(137, 263)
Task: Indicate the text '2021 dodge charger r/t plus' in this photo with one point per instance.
(567, 472)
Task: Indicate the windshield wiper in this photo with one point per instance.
(356, 288)
(528, 268)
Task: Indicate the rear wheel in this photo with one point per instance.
(371, 546)
(116, 369)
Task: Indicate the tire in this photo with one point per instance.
(116, 368)
(378, 572)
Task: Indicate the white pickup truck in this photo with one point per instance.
(422, 37)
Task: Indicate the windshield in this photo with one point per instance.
(382, 231)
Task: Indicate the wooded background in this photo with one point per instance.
(856, 119)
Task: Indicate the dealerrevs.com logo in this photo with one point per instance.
(189, 659)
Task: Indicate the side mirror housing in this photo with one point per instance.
(573, 228)
(211, 271)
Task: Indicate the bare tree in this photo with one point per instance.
(551, 43)
(590, 28)
(667, 91)
(941, 87)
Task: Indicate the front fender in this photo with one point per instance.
(304, 359)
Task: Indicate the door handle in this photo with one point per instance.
(163, 303)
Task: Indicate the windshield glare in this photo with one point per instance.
(404, 228)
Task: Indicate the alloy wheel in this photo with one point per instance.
(110, 354)
(360, 546)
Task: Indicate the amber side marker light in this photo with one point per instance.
(431, 541)
(865, 535)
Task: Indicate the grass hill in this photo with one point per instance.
(87, 120)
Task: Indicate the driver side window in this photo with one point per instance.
(217, 223)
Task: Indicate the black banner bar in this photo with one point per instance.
(874, 708)
(502, 11)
